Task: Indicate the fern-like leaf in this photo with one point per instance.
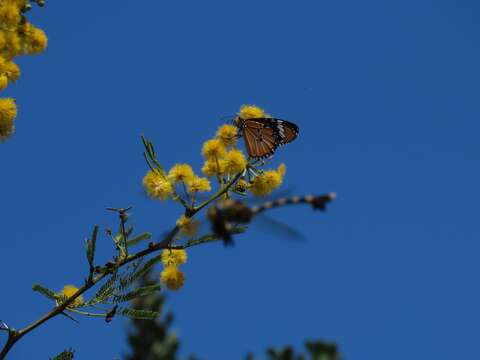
(64, 355)
(105, 291)
(124, 282)
(136, 293)
(46, 292)
(139, 238)
(137, 274)
(139, 314)
(91, 246)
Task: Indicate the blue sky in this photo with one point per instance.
(386, 97)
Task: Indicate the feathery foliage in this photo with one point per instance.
(64, 355)
(91, 247)
(315, 350)
(52, 295)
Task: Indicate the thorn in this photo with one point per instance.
(120, 210)
(4, 326)
(70, 317)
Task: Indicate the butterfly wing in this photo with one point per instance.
(263, 136)
(287, 130)
(261, 139)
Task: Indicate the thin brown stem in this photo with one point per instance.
(15, 336)
(219, 193)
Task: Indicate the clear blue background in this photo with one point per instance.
(386, 96)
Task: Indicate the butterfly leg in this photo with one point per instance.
(261, 162)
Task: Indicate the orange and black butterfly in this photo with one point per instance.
(264, 135)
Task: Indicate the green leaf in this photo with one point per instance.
(136, 293)
(129, 231)
(139, 314)
(46, 292)
(105, 291)
(91, 246)
(120, 241)
(145, 156)
(149, 152)
(64, 355)
(139, 238)
(150, 156)
(125, 280)
(145, 268)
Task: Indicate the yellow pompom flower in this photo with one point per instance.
(181, 172)
(198, 184)
(8, 112)
(3, 81)
(17, 3)
(251, 112)
(227, 134)
(68, 291)
(157, 186)
(268, 181)
(213, 149)
(214, 167)
(9, 15)
(3, 44)
(235, 162)
(37, 41)
(11, 70)
(187, 226)
(174, 257)
(172, 277)
(10, 44)
(282, 169)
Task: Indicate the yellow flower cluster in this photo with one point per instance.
(264, 183)
(187, 226)
(174, 257)
(157, 185)
(222, 160)
(221, 155)
(161, 187)
(69, 291)
(181, 173)
(17, 37)
(251, 112)
(8, 112)
(171, 275)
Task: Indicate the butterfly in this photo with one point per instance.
(264, 135)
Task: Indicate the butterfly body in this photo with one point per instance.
(264, 135)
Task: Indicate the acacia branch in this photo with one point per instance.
(112, 266)
(15, 335)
